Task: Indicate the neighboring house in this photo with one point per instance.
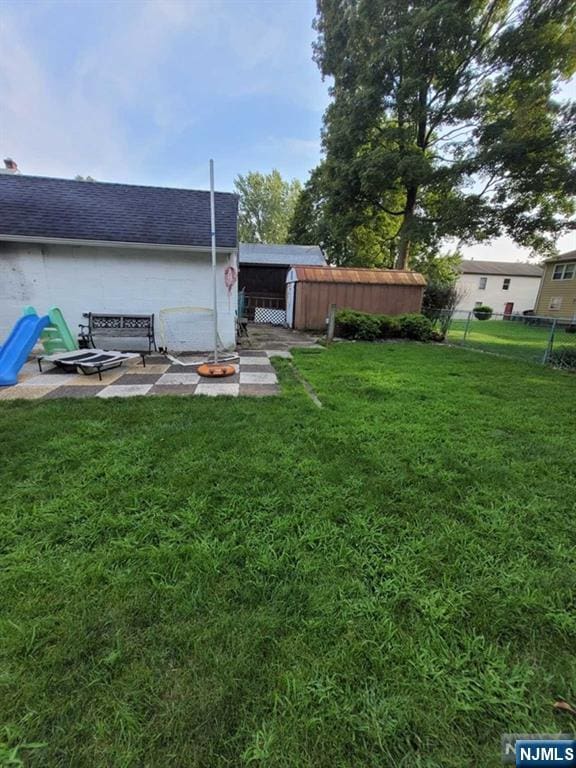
(263, 272)
(557, 295)
(507, 287)
(113, 248)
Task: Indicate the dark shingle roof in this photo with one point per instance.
(281, 255)
(34, 206)
(507, 268)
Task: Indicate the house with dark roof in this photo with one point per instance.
(507, 287)
(113, 248)
(557, 294)
(263, 272)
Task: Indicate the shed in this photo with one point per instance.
(311, 290)
(263, 271)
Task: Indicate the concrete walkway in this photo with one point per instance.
(274, 337)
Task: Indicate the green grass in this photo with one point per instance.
(510, 338)
(386, 581)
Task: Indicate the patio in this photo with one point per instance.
(255, 376)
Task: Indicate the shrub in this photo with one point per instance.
(416, 327)
(564, 357)
(357, 325)
(439, 299)
(483, 312)
(365, 327)
(389, 327)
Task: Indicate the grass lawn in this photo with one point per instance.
(387, 581)
(511, 338)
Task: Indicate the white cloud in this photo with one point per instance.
(46, 129)
(157, 70)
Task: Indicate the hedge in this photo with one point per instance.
(362, 326)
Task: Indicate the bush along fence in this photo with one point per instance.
(544, 340)
(362, 326)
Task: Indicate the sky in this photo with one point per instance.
(146, 91)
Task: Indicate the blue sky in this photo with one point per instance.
(146, 91)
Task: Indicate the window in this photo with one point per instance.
(564, 271)
(482, 283)
(478, 304)
(555, 302)
(506, 284)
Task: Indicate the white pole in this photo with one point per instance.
(213, 238)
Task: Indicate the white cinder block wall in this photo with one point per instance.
(522, 292)
(106, 279)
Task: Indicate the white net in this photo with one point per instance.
(187, 329)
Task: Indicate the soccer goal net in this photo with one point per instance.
(187, 329)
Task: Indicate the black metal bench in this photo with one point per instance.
(118, 327)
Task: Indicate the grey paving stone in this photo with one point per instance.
(176, 389)
(124, 391)
(178, 378)
(214, 388)
(257, 378)
(259, 390)
(72, 392)
(131, 379)
(264, 368)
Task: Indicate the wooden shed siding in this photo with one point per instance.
(566, 289)
(312, 300)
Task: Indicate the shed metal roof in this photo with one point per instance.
(358, 275)
(63, 209)
(506, 268)
(280, 255)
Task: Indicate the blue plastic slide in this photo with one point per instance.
(18, 346)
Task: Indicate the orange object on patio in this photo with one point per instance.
(215, 370)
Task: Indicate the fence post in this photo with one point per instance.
(550, 344)
(331, 323)
(467, 326)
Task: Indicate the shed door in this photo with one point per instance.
(290, 292)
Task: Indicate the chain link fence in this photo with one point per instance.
(544, 340)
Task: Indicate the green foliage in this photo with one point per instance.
(389, 326)
(351, 324)
(564, 357)
(441, 269)
(416, 327)
(347, 236)
(483, 312)
(267, 205)
(439, 300)
(443, 118)
(217, 582)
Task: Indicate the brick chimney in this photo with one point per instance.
(10, 166)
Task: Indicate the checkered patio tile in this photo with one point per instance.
(254, 377)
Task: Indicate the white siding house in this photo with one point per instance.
(115, 248)
(84, 278)
(506, 287)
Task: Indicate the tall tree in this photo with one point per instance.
(266, 206)
(444, 117)
(355, 235)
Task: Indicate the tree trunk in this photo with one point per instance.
(403, 258)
